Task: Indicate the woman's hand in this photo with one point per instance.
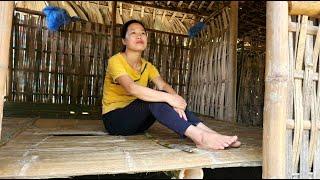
(181, 113)
(177, 101)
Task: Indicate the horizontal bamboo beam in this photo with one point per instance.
(306, 124)
(309, 8)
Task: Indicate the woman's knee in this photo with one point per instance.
(159, 105)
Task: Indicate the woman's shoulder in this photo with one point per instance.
(116, 57)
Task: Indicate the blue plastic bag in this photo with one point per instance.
(194, 30)
(56, 17)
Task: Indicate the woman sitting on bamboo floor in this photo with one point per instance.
(130, 107)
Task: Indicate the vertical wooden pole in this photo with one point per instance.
(113, 28)
(276, 89)
(232, 64)
(6, 14)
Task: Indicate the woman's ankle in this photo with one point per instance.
(196, 134)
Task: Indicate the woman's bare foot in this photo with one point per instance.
(235, 144)
(214, 141)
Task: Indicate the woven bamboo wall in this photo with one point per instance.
(209, 64)
(303, 160)
(68, 66)
(64, 67)
(250, 95)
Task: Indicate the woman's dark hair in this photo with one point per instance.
(125, 29)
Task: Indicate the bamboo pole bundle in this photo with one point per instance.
(6, 12)
(276, 89)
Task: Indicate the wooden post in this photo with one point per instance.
(113, 28)
(6, 14)
(276, 90)
(232, 64)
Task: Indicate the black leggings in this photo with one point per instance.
(139, 115)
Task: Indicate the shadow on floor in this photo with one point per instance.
(219, 173)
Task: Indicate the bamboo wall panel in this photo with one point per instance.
(304, 98)
(209, 60)
(64, 67)
(68, 66)
(250, 97)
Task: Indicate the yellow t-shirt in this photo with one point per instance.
(114, 95)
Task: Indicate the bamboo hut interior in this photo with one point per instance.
(52, 88)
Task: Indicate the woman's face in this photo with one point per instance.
(136, 37)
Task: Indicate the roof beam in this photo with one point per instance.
(131, 10)
(184, 11)
(142, 12)
(189, 7)
(180, 3)
(163, 15)
(173, 15)
(120, 4)
(184, 16)
(202, 3)
(210, 5)
(154, 13)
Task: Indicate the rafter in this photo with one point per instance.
(163, 15)
(189, 7)
(202, 3)
(154, 13)
(178, 10)
(210, 5)
(184, 16)
(120, 4)
(131, 10)
(173, 15)
(142, 12)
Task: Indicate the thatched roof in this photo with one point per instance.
(168, 16)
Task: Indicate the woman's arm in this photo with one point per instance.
(147, 94)
(162, 85)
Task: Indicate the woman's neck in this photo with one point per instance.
(133, 57)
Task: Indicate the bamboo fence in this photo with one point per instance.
(250, 93)
(207, 87)
(68, 66)
(303, 154)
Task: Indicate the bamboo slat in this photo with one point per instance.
(59, 145)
